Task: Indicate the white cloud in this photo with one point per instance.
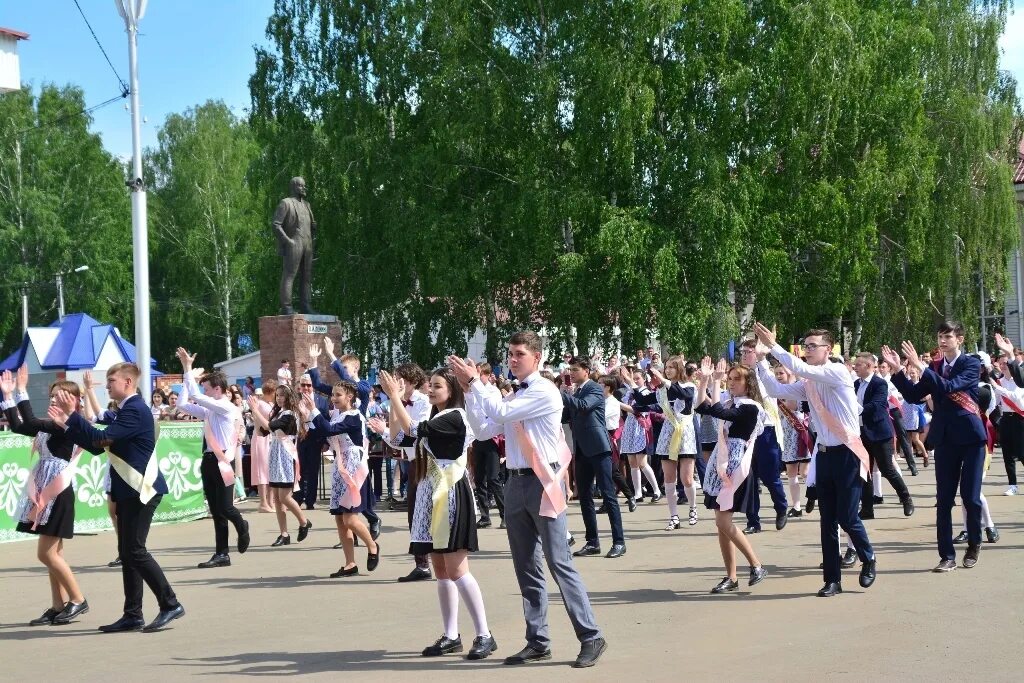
(1012, 45)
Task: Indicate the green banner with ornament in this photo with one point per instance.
(178, 453)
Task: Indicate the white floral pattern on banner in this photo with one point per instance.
(89, 476)
(176, 468)
(12, 480)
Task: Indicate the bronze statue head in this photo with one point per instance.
(299, 187)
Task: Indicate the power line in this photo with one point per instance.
(124, 86)
(70, 115)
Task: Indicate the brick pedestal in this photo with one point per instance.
(289, 337)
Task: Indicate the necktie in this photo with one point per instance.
(945, 370)
(522, 386)
(407, 404)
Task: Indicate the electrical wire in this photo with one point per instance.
(70, 115)
(124, 86)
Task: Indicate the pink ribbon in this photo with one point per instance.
(552, 502)
(730, 483)
(833, 424)
(353, 483)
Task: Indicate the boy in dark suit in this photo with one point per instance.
(957, 434)
(136, 485)
(593, 457)
(876, 431)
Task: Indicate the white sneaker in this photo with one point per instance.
(1012, 491)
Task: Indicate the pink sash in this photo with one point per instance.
(40, 499)
(727, 494)
(833, 424)
(552, 503)
(353, 484)
(227, 472)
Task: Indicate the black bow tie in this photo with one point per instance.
(522, 385)
(406, 403)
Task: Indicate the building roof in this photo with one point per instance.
(17, 35)
(74, 343)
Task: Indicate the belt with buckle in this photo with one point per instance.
(522, 472)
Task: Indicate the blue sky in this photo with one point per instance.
(189, 51)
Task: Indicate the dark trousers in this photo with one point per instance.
(839, 488)
(588, 469)
(487, 477)
(766, 466)
(880, 453)
(1011, 441)
(137, 565)
(955, 466)
(309, 464)
(903, 439)
(377, 476)
(220, 498)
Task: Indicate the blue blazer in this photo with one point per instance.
(875, 415)
(951, 424)
(586, 418)
(131, 436)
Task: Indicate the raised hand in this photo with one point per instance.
(22, 378)
(59, 417)
(306, 403)
(721, 369)
(465, 372)
(314, 354)
(892, 358)
(391, 385)
(65, 401)
(911, 353)
(764, 335)
(1004, 345)
(376, 425)
(328, 347)
(707, 370)
(254, 403)
(656, 374)
(87, 382)
(185, 358)
(7, 384)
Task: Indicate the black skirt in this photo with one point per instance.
(739, 499)
(61, 523)
(463, 534)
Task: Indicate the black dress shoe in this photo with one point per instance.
(116, 562)
(46, 619)
(483, 646)
(281, 540)
(757, 575)
(726, 585)
(992, 534)
(218, 560)
(375, 530)
(829, 589)
(877, 500)
(501, 525)
(164, 618)
(793, 512)
(125, 623)
(528, 654)
(243, 538)
(809, 507)
(751, 530)
(908, 507)
(961, 538)
(304, 531)
(849, 559)
(631, 504)
(372, 559)
(587, 549)
(443, 646)
(342, 573)
(656, 497)
(310, 507)
(867, 573)
(601, 510)
(590, 652)
(483, 523)
(971, 556)
(618, 550)
(71, 612)
(780, 521)
(866, 514)
(945, 566)
(417, 574)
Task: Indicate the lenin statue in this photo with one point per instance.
(294, 227)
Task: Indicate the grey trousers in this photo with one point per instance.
(528, 535)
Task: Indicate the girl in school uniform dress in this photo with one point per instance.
(914, 417)
(725, 482)
(259, 446)
(678, 440)
(285, 429)
(47, 505)
(350, 481)
(796, 453)
(444, 519)
(636, 432)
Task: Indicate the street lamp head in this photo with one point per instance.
(80, 269)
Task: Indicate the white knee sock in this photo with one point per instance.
(986, 515)
(635, 473)
(448, 597)
(651, 478)
(691, 494)
(794, 492)
(670, 495)
(876, 482)
(469, 589)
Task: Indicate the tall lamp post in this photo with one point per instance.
(131, 11)
(60, 292)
